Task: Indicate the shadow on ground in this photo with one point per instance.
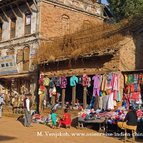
(6, 138)
(21, 119)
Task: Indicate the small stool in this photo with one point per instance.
(133, 129)
(80, 125)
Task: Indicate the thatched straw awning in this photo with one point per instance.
(96, 39)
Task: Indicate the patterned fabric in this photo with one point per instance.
(63, 82)
(85, 80)
(46, 81)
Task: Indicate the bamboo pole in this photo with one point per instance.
(84, 97)
(63, 97)
(53, 100)
(73, 95)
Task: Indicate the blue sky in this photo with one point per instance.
(104, 1)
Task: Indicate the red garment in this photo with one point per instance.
(139, 113)
(66, 119)
(135, 96)
(127, 89)
(41, 81)
(83, 115)
(42, 87)
(85, 80)
(139, 88)
(132, 88)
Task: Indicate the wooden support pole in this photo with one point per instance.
(27, 4)
(5, 15)
(84, 97)
(13, 12)
(19, 10)
(1, 19)
(73, 95)
(53, 100)
(63, 97)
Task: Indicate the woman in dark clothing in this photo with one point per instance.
(131, 117)
(130, 120)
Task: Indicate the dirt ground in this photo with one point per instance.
(12, 131)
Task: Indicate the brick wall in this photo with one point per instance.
(138, 40)
(127, 54)
(57, 21)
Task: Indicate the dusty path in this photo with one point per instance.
(12, 131)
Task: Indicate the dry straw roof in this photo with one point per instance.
(90, 39)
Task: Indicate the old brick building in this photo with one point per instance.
(24, 24)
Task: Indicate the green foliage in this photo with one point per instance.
(126, 8)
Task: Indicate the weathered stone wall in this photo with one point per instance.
(138, 40)
(127, 54)
(57, 20)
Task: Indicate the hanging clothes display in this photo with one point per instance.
(63, 83)
(96, 85)
(132, 89)
(46, 81)
(85, 80)
(80, 80)
(101, 85)
(73, 80)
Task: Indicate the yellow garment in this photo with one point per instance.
(123, 125)
(126, 78)
(104, 93)
(104, 81)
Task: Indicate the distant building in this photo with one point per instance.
(24, 24)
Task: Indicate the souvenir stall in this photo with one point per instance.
(105, 89)
(106, 94)
(133, 89)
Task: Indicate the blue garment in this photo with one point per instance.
(55, 81)
(135, 78)
(73, 80)
(92, 102)
(135, 87)
(51, 84)
(100, 93)
(124, 104)
(109, 78)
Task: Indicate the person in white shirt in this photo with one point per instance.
(27, 110)
(1, 104)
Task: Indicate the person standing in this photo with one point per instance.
(1, 104)
(27, 110)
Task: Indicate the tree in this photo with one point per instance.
(126, 8)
